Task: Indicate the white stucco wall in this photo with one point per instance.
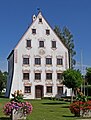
(20, 50)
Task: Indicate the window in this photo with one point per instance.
(33, 31)
(37, 61)
(59, 61)
(49, 89)
(27, 89)
(59, 76)
(49, 76)
(37, 76)
(53, 44)
(41, 43)
(26, 61)
(49, 61)
(28, 43)
(60, 90)
(47, 32)
(25, 76)
(40, 20)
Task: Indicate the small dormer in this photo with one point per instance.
(34, 18)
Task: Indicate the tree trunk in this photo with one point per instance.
(72, 95)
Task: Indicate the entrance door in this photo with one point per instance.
(39, 91)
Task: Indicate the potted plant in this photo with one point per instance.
(17, 106)
(81, 107)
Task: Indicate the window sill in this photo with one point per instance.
(48, 65)
(28, 48)
(53, 48)
(37, 65)
(37, 81)
(41, 47)
(33, 33)
(49, 94)
(25, 80)
(27, 93)
(40, 22)
(59, 65)
(48, 34)
(50, 80)
(59, 80)
(59, 84)
(26, 65)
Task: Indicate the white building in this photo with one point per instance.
(36, 64)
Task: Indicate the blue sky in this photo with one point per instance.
(15, 16)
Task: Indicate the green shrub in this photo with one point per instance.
(61, 99)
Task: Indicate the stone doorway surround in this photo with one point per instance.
(39, 90)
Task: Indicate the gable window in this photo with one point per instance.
(41, 43)
(59, 61)
(59, 76)
(28, 43)
(33, 31)
(27, 89)
(37, 61)
(49, 89)
(48, 61)
(40, 20)
(26, 61)
(60, 90)
(37, 76)
(47, 32)
(25, 76)
(49, 76)
(53, 44)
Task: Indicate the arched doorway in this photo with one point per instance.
(39, 91)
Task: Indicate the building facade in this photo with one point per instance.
(36, 64)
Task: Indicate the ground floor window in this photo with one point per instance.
(27, 89)
(60, 90)
(49, 89)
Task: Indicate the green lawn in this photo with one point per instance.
(44, 110)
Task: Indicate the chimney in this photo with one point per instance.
(34, 18)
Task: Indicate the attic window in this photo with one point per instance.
(33, 31)
(41, 43)
(28, 44)
(40, 20)
(47, 32)
(53, 44)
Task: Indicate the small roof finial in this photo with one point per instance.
(39, 10)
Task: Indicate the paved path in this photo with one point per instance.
(84, 119)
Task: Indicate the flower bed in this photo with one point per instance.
(80, 108)
(17, 104)
(25, 106)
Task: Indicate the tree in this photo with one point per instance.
(72, 79)
(3, 79)
(67, 38)
(88, 75)
(5, 75)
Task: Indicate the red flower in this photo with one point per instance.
(77, 106)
